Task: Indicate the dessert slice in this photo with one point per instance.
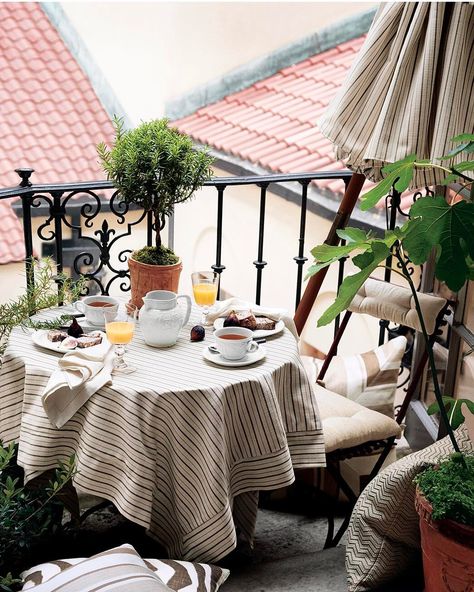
(88, 341)
(246, 319)
(265, 324)
(56, 335)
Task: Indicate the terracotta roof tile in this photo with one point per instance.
(272, 123)
(51, 119)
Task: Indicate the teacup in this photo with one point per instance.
(93, 308)
(233, 343)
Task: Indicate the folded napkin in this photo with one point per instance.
(80, 374)
(224, 307)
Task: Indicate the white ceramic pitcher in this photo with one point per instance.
(161, 318)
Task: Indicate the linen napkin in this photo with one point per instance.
(224, 307)
(80, 374)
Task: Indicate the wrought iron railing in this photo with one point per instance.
(73, 207)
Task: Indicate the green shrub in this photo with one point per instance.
(449, 488)
(155, 256)
(29, 514)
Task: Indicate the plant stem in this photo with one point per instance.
(429, 349)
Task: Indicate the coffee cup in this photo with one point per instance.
(93, 308)
(233, 343)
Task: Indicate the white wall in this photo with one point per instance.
(151, 52)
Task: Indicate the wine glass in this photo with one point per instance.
(119, 328)
(205, 284)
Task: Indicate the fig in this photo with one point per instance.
(198, 333)
(231, 320)
(75, 330)
(69, 343)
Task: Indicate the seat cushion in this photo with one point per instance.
(116, 570)
(369, 378)
(347, 424)
(383, 536)
(177, 575)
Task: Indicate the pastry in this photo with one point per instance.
(56, 335)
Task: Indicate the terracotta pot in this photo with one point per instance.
(144, 278)
(448, 551)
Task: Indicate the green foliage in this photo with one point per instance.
(49, 290)
(155, 256)
(433, 224)
(154, 166)
(450, 489)
(28, 514)
(454, 409)
(448, 228)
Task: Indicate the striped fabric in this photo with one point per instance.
(180, 576)
(181, 445)
(370, 378)
(117, 570)
(410, 89)
(383, 536)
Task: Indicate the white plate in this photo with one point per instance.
(279, 326)
(248, 359)
(40, 338)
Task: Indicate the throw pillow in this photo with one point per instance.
(181, 576)
(117, 570)
(383, 535)
(370, 379)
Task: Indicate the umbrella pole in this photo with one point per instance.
(342, 217)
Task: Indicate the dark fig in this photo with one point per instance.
(198, 333)
(75, 330)
(231, 320)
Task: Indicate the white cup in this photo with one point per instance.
(233, 343)
(93, 308)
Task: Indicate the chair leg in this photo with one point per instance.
(331, 539)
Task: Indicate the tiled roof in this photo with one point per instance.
(50, 117)
(273, 122)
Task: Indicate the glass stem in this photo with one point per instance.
(205, 312)
(119, 362)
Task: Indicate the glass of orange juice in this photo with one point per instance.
(119, 328)
(205, 284)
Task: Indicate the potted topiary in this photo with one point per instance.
(155, 167)
(447, 529)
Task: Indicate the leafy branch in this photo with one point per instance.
(433, 224)
(49, 290)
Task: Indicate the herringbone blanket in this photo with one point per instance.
(383, 538)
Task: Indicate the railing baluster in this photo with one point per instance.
(394, 205)
(218, 267)
(301, 259)
(26, 199)
(340, 278)
(259, 263)
(57, 212)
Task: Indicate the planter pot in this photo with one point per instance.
(144, 278)
(448, 551)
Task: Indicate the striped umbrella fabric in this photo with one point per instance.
(410, 90)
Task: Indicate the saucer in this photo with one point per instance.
(247, 360)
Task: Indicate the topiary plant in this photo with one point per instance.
(155, 167)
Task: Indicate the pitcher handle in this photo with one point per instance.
(188, 308)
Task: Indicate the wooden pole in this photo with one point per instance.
(342, 217)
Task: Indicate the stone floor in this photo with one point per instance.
(288, 553)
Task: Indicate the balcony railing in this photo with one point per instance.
(73, 208)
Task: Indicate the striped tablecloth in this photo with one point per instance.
(181, 446)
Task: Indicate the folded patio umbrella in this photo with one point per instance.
(410, 90)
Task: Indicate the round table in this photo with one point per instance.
(182, 445)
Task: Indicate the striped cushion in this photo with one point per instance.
(383, 536)
(181, 576)
(370, 379)
(116, 570)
